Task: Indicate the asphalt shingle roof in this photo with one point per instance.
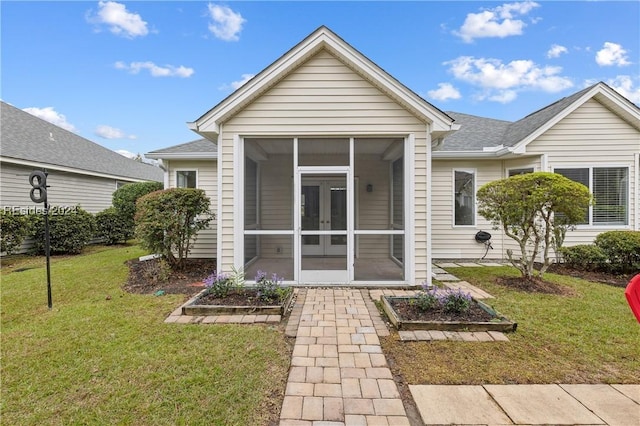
(477, 133)
(26, 137)
(199, 145)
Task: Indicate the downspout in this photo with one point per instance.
(165, 163)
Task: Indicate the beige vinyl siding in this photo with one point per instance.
(373, 207)
(93, 194)
(205, 245)
(458, 242)
(321, 97)
(592, 136)
(276, 201)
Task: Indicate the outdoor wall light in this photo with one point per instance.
(369, 188)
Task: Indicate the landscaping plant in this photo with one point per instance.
(219, 284)
(14, 227)
(168, 221)
(270, 288)
(528, 208)
(70, 231)
(124, 202)
(112, 227)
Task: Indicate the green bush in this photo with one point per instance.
(112, 227)
(14, 227)
(167, 222)
(622, 249)
(70, 231)
(124, 201)
(584, 256)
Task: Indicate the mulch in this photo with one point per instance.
(410, 312)
(535, 285)
(620, 280)
(149, 277)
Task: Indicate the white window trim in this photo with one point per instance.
(595, 226)
(175, 175)
(474, 172)
(533, 169)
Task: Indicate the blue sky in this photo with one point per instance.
(129, 75)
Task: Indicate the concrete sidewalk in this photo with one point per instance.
(528, 404)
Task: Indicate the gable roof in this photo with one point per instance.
(200, 148)
(322, 38)
(28, 139)
(496, 137)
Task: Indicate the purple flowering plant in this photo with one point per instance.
(270, 288)
(218, 284)
(456, 301)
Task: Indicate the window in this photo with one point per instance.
(186, 179)
(610, 189)
(464, 197)
(523, 171)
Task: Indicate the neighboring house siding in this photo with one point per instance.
(205, 245)
(592, 136)
(92, 193)
(322, 97)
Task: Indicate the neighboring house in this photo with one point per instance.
(326, 170)
(80, 172)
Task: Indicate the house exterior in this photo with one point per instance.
(326, 170)
(80, 172)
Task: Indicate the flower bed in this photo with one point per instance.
(447, 310)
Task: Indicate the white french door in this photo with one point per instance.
(324, 208)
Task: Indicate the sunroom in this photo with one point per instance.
(324, 210)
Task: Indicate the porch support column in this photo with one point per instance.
(429, 204)
(238, 202)
(637, 185)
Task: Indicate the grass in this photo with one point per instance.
(104, 356)
(590, 337)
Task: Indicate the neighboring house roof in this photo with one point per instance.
(27, 139)
(201, 148)
(495, 137)
(322, 38)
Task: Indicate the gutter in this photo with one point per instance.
(182, 155)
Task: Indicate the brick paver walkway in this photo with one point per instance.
(339, 375)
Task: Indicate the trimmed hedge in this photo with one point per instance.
(112, 227)
(14, 228)
(124, 201)
(69, 232)
(612, 251)
(622, 249)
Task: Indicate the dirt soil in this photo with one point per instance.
(246, 297)
(535, 286)
(600, 277)
(151, 276)
(411, 312)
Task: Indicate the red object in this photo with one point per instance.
(632, 293)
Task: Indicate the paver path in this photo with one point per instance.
(339, 375)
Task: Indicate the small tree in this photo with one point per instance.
(528, 207)
(167, 222)
(124, 201)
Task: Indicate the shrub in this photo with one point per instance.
(168, 221)
(622, 249)
(14, 227)
(584, 256)
(156, 270)
(427, 299)
(69, 232)
(112, 227)
(124, 201)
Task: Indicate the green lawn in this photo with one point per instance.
(591, 337)
(103, 356)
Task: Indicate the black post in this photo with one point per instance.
(47, 250)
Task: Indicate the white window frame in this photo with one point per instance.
(175, 175)
(509, 170)
(592, 224)
(474, 172)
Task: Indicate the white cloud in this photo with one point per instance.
(556, 50)
(52, 116)
(612, 54)
(156, 70)
(226, 24)
(496, 22)
(234, 85)
(108, 132)
(501, 82)
(445, 91)
(624, 85)
(119, 20)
